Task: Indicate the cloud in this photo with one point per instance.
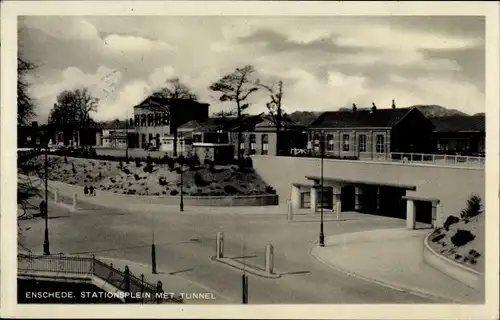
(131, 43)
(325, 62)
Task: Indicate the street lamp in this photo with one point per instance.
(46, 250)
(322, 152)
(153, 248)
(182, 188)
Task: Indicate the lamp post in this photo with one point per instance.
(46, 250)
(182, 188)
(322, 154)
(153, 247)
(126, 138)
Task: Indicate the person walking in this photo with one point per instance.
(43, 208)
(86, 190)
(91, 190)
(95, 189)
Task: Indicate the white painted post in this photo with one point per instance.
(220, 245)
(410, 214)
(269, 258)
(338, 210)
(290, 212)
(56, 195)
(75, 200)
(314, 199)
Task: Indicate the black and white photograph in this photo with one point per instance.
(244, 159)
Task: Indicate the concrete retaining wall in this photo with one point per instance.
(228, 201)
(459, 272)
(452, 185)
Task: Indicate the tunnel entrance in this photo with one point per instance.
(348, 198)
(392, 203)
(423, 211)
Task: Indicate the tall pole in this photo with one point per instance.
(321, 234)
(46, 250)
(182, 189)
(126, 138)
(153, 247)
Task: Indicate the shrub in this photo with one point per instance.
(120, 165)
(138, 163)
(436, 239)
(194, 161)
(229, 189)
(473, 207)
(270, 190)
(136, 176)
(148, 168)
(474, 253)
(162, 181)
(199, 180)
(100, 175)
(457, 256)
(126, 171)
(462, 237)
(65, 159)
(174, 192)
(449, 221)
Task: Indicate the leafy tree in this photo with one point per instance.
(236, 87)
(72, 113)
(175, 93)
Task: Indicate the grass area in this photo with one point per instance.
(462, 239)
(137, 178)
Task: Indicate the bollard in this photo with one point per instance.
(290, 212)
(75, 200)
(269, 258)
(339, 210)
(56, 196)
(220, 245)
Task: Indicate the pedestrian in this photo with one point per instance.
(91, 191)
(86, 190)
(95, 189)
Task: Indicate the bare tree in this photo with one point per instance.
(276, 113)
(236, 87)
(174, 92)
(25, 104)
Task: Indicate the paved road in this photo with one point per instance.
(185, 243)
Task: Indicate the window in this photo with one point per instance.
(362, 143)
(197, 138)
(265, 144)
(380, 143)
(252, 144)
(136, 120)
(150, 119)
(345, 144)
(242, 146)
(316, 142)
(330, 141)
(165, 118)
(143, 120)
(481, 145)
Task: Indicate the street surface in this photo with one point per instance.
(186, 242)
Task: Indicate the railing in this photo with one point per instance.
(401, 157)
(122, 280)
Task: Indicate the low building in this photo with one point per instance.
(371, 134)
(460, 135)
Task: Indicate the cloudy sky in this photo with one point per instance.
(325, 62)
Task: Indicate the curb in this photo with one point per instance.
(238, 265)
(468, 276)
(390, 285)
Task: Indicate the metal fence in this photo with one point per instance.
(401, 157)
(122, 280)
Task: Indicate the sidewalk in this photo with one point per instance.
(172, 282)
(393, 258)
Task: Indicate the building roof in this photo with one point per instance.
(460, 123)
(286, 122)
(380, 118)
(223, 123)
(157, 102)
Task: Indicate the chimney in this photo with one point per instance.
(374, 107)
(393, 104)
(354, 108)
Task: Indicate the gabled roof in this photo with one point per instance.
(286, 122)
(460, 123)
(380, 118)
(223, 123)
